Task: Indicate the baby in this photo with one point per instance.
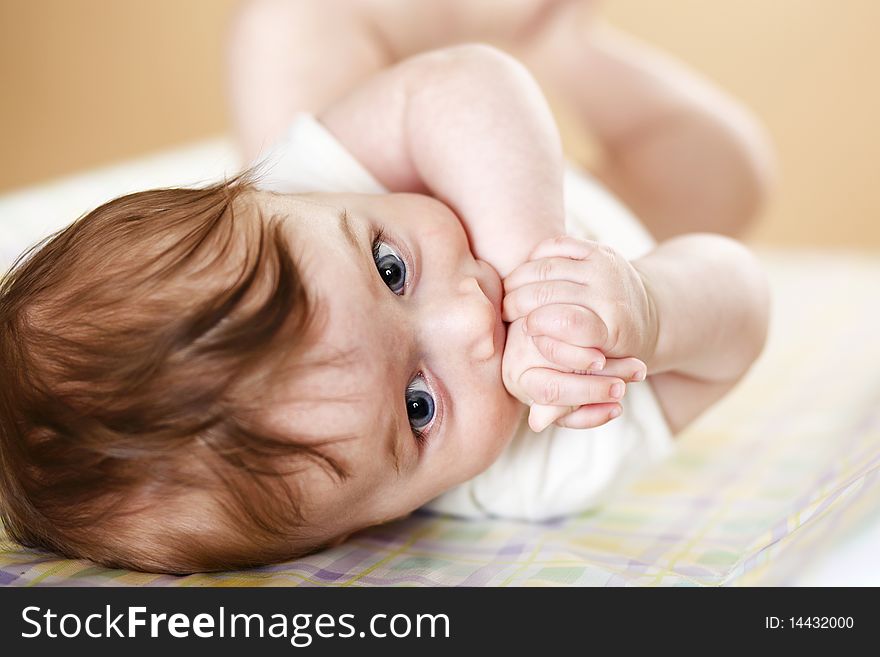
(231, 376)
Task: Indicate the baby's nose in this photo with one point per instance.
(470, 321)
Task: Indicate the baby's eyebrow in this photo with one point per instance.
(357, 243)
(348, 230)
(393, 441)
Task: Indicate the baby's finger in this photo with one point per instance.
(567, 323)
(628, 369)
(527, 298)
(565, 246)
(580, 360)
(547, 386)
(584, 360)
(591, 416)
(546, 269)
(541, 416)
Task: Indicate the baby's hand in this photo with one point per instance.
(571, 386)
(572, 301)
(580, 294)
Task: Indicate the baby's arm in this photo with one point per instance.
(469, 125)
(680, 152)
(712, 302)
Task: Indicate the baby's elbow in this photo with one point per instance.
(468, 56)
(757, 290)
(760, 321)
(480, 63)
(749, 293)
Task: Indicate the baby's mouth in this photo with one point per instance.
(490, 284)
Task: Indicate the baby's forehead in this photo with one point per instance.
(338, 394)
(304, 210)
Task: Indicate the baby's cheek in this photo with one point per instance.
(511, 415)
(485, 422)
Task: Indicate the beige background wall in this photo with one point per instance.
(88, 82)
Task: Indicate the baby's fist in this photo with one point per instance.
(580, 396)
(583, 294)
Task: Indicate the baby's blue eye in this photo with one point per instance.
(419, 404)
(391, 266)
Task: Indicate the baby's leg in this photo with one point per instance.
(681, 153)
(285, 56)
(290, 55)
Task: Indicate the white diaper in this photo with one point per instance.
(538, 476)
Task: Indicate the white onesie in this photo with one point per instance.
(538, 476)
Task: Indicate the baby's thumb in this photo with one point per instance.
(541, 416)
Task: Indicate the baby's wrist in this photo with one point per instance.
(647, 351)
(506, 257)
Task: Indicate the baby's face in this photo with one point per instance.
(418, 393)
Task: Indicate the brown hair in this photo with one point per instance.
(129, 384)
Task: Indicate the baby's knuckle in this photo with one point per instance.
(608, 259)
(544, 293)
(558, 321)
(551, 392)
(583, 362)
(590, 395)
(586, 243)
(564, 323)
(545, 269)
(605, 251)
(561, 240)
(577, 322)
(551, 350)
